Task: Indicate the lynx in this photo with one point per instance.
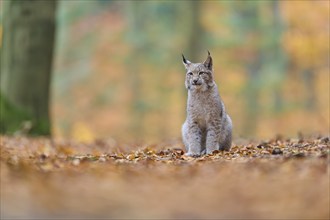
(207, 127)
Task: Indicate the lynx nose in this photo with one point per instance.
(195, 81)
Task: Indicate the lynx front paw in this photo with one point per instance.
(210, 150)
(190, 154)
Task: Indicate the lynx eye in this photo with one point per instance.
(190, 73)
(201, 73)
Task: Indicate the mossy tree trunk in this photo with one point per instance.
(28, 41)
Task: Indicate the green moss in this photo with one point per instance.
(16, 120)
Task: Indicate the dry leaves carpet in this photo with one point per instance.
(279, 178)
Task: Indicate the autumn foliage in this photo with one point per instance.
(117, 86)
(278, 178)
(118, 69)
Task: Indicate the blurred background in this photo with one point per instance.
(117, 69)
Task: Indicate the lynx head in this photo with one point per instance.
(199, 76)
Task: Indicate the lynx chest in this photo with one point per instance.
(203, 107)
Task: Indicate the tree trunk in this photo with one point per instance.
(28, 40)
(252, 20)
(252, 95)
(196, 32)
(278, 54)
(137, 21)
(309, 83)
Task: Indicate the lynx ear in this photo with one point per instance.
(208, 63)
(185, 61)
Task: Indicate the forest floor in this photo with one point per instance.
(278, 179)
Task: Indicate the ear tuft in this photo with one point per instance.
(208, 63)
(184, 59)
